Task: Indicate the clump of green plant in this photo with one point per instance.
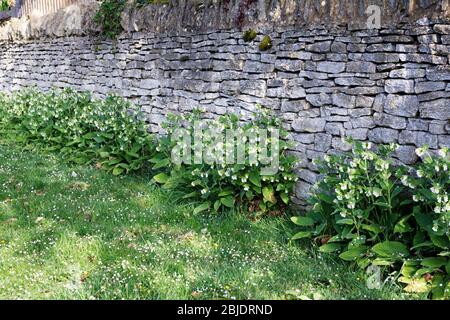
(265, 44)
(141, 3)
(4, 5)
(249, 35)
(397, 218)
(219, 184)
(108, 17)
(111, 133)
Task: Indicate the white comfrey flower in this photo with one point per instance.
(404, 180)
(203, 191)
(376, 192)
(421, 151)
(437, 209)
(420, 173)
(443, 152)
(435, 189)
(367, 145)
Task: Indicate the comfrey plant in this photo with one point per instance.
(111, 133)
(224, 163)
(219, 163)
(368, 211)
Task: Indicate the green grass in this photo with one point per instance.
(80, 233)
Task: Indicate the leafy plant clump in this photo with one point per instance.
(111, 133)
(266, 43)
(249, 35)
(217, 184)
(377, 215)
(108, 17)
(5, 5)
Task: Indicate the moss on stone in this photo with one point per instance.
(266, 43)
(249, 35)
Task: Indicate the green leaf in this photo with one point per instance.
(303, 221)
(104, 154)
(225, 193)
(434, 262)
(285, 197)
(255, 178)
(204, 206)
(301, 235)
(409, 268)
(382, 262)
(217, 205)
(118, 170)
(391, 249)
(402, 225)
(269, 195)
(345, 221)
(353, 254)
(190, 195)
(161, 164)
(372, 228)
(440, 241)
(161, 178)
(227, 201)
(330, 247)
(325, 198)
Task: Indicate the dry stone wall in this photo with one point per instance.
(382, 85)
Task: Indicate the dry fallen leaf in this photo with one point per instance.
(39, 219)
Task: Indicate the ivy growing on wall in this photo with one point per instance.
(108, 16)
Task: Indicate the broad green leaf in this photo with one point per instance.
(402, 225)
(190, 195)
(440, 241)
(285, 197)
(302, 221)
(227, 201)
(225, 193)
(217, 205)
(301, 235)
(161, 178)
(391, 249)
(255, 178)
(409, 268)
(353, 254)
(372, 228)
(118, 171)
(345, 221)
(382, 262)
(161, 164)
(269, 195)
(434, 262)
(330, 247)
(204, 206)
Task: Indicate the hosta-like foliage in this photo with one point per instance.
(373, 213)
(228, 185)
(111, 132)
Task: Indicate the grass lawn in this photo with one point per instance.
(80, 233)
